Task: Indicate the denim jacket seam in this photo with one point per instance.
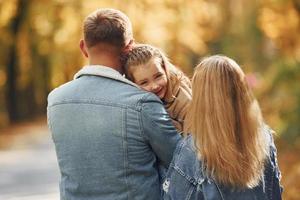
(190, 192)
(274, 165)
(219, 189)
(141, 103)
(269, 171)
(177, 156)
(93, 102)
(178, 150)
(49, 121)
(271, 188)
(126, 162)
(143, 99)
(140, 125)
(187, 177)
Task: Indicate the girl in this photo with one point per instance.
(230, 153)
(149, 68)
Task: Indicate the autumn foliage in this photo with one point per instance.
(39, 51)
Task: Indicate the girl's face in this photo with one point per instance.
(151, 77)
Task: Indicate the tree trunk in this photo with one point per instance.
(12, 65)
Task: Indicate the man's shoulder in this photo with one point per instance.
(95, 89)
(58, 91)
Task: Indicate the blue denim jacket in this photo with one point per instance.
(110, 137)
(185, 180)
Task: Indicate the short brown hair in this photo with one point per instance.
(108, 26)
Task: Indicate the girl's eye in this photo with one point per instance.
(158, 76)
(143, 83)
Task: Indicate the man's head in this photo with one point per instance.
(106, 28)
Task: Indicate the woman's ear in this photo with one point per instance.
(83, 49)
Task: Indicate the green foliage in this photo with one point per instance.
(286, 83)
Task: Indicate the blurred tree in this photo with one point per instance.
(39, 48)
(281, 86)
(44, 34)
(13, 59)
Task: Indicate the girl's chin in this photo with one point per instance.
(161, 96)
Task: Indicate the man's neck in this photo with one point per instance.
(105, 55)
(106, 61)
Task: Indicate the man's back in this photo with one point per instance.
(109, 137)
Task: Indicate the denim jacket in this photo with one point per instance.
(110, 137)
(185, 180)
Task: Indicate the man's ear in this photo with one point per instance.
(83, 48)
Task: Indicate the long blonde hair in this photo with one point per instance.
(142, 54)
(226, 122)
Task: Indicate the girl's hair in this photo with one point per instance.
(141, 54)
(226, 124)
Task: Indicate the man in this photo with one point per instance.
(110, 136)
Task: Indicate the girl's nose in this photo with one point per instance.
(154, 87)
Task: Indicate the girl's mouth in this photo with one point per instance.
(159, 92)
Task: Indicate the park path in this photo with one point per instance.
(28, 165)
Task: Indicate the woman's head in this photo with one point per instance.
(225, 120)
(146, 67)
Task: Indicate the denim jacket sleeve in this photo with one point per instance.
(158, 129)
(276, 186)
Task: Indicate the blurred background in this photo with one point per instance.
(39, 50)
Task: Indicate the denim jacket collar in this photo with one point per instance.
(100, 70)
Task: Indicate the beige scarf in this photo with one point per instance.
(177, 100)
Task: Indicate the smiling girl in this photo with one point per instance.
(149, 68)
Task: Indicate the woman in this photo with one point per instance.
(230, 153)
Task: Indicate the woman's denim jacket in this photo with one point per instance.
(185, 180)
(110, 137)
